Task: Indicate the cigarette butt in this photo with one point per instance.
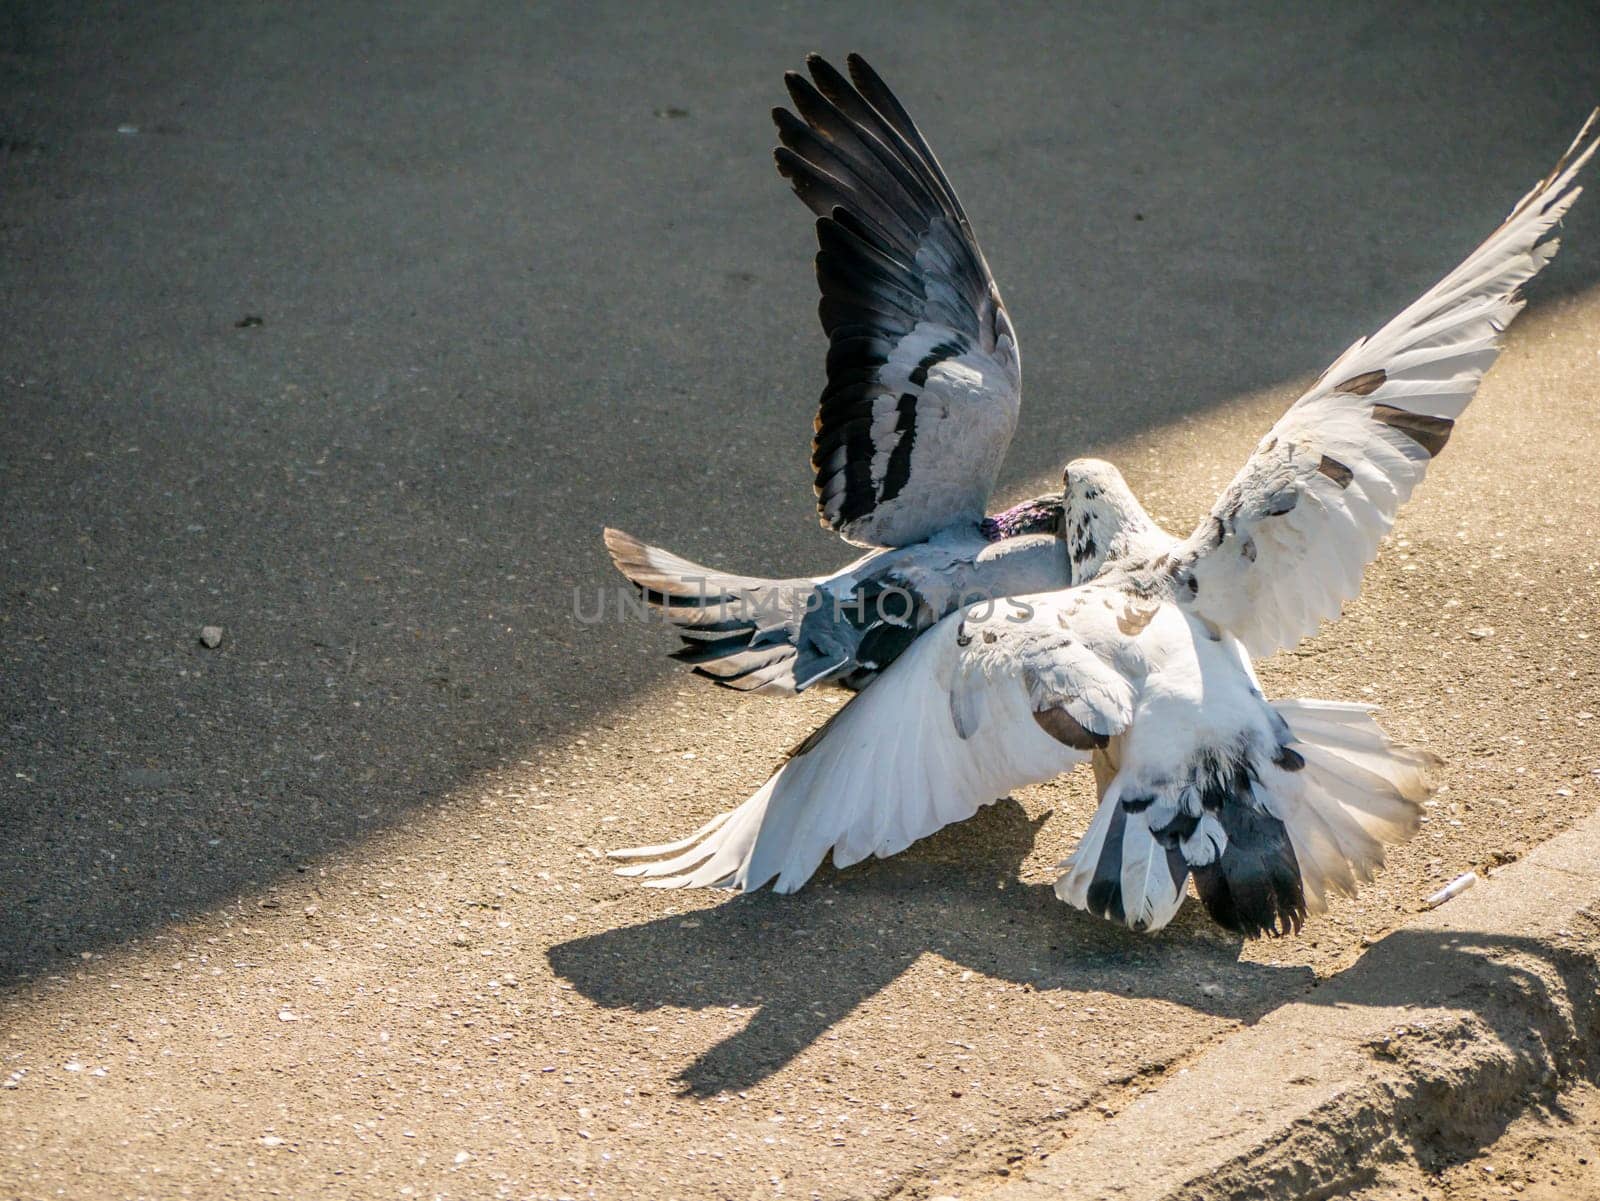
(1453, 889)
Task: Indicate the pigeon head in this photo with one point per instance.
(1103, 519)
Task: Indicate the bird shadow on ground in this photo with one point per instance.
(803, 962)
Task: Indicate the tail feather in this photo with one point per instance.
(1368, 797)
(1122, 870)
(1327, 854)
(1358, 792)
(737, 630)
(1152, 878)
(1257, 885)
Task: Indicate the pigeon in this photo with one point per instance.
(1144, 671)
(924, 386)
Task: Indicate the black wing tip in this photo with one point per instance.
(864, 75)
(825, 73)
(799, 173)
(802, 91)
(857, 68)
(822, 68)
(790, 128)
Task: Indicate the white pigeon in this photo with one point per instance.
(924, 385)
(1270, 806)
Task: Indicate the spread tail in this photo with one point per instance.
(1267, 841)
(1338, 792)
(1361, 792)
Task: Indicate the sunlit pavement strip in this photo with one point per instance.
(471, 1005)
(1491, 1000)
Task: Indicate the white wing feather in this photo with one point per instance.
(1287, 543)
(947, 729)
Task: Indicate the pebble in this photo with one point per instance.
(1481, 632)
(211, 637)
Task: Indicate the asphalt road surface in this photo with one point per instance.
(346, 328)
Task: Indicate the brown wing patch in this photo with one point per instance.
(1068, 730)
(1336, 471)
(1430, 433)
(1134, 619)
(1364, 384)
(1064, 614)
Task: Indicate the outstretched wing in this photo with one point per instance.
(924, 377)
(1287, 543)
(978, 706)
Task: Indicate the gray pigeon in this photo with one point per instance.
(924, 385)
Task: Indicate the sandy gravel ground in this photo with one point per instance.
(1551, 1153)
(320, 910)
